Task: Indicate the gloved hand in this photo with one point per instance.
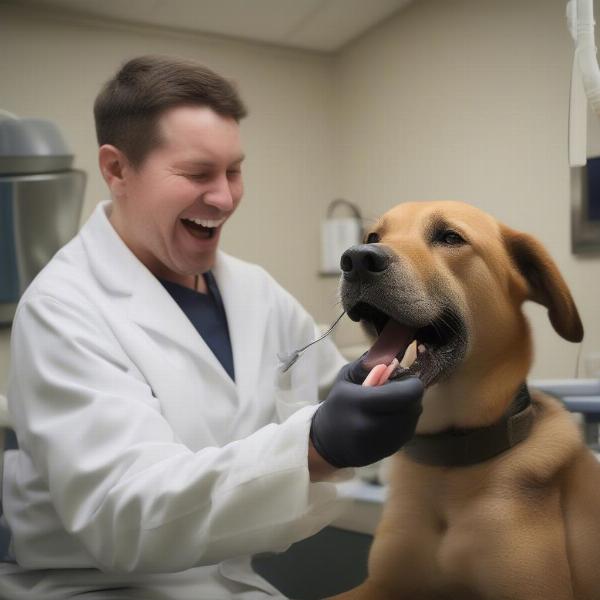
(357, 425)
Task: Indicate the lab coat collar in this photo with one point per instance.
(148, 304)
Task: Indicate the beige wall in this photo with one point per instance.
(468, 100)
(463, 99)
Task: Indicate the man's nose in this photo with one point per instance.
(220, 195)
(366, 261)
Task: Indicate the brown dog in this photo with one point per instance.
(496, 497)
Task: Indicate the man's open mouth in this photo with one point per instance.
(203, 229)
(437, 348)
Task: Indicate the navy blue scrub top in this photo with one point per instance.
(207, 314)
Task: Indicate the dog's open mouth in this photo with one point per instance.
(429, 352)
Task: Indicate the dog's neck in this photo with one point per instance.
(477, 394)
(467, 447)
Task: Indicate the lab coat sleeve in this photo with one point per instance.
(135, 498)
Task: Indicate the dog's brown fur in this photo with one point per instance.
(524, 525)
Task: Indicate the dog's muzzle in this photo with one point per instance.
(378, 289)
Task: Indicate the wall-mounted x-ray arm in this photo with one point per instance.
(585, 78)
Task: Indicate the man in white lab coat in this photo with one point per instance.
(159, 448)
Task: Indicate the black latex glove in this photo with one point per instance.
(357, 426)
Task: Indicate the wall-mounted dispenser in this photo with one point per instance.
(40, 202)
(337, 235)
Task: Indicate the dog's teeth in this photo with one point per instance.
(409, 356)
(421, 348)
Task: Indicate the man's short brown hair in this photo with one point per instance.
(127, 109)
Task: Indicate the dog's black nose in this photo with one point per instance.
(364, 261)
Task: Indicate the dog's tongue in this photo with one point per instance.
(393, 341)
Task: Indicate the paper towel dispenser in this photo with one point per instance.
(40, 203)
(337, 235)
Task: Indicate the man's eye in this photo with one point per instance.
(372, 238)
(234, 173)
(199, 176)
(451, 238)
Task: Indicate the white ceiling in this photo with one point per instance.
(321, 25)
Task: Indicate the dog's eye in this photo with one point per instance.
(451, 238)
(372, 238)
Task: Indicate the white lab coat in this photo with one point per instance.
(141, 463)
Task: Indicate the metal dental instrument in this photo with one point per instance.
(287, 360)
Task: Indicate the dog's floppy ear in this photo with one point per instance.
(546, 284)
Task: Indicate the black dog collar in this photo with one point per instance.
(464, 447)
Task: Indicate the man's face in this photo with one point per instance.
(175, 204)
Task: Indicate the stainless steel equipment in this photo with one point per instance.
(40, 203)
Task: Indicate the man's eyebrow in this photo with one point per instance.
(206, 163)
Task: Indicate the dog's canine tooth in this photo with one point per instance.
(410, 355)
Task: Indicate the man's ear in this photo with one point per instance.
(546, 285)
(112, 162)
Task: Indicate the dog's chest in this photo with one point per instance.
(438, 529)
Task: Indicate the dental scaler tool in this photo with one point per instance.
(288, 360)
